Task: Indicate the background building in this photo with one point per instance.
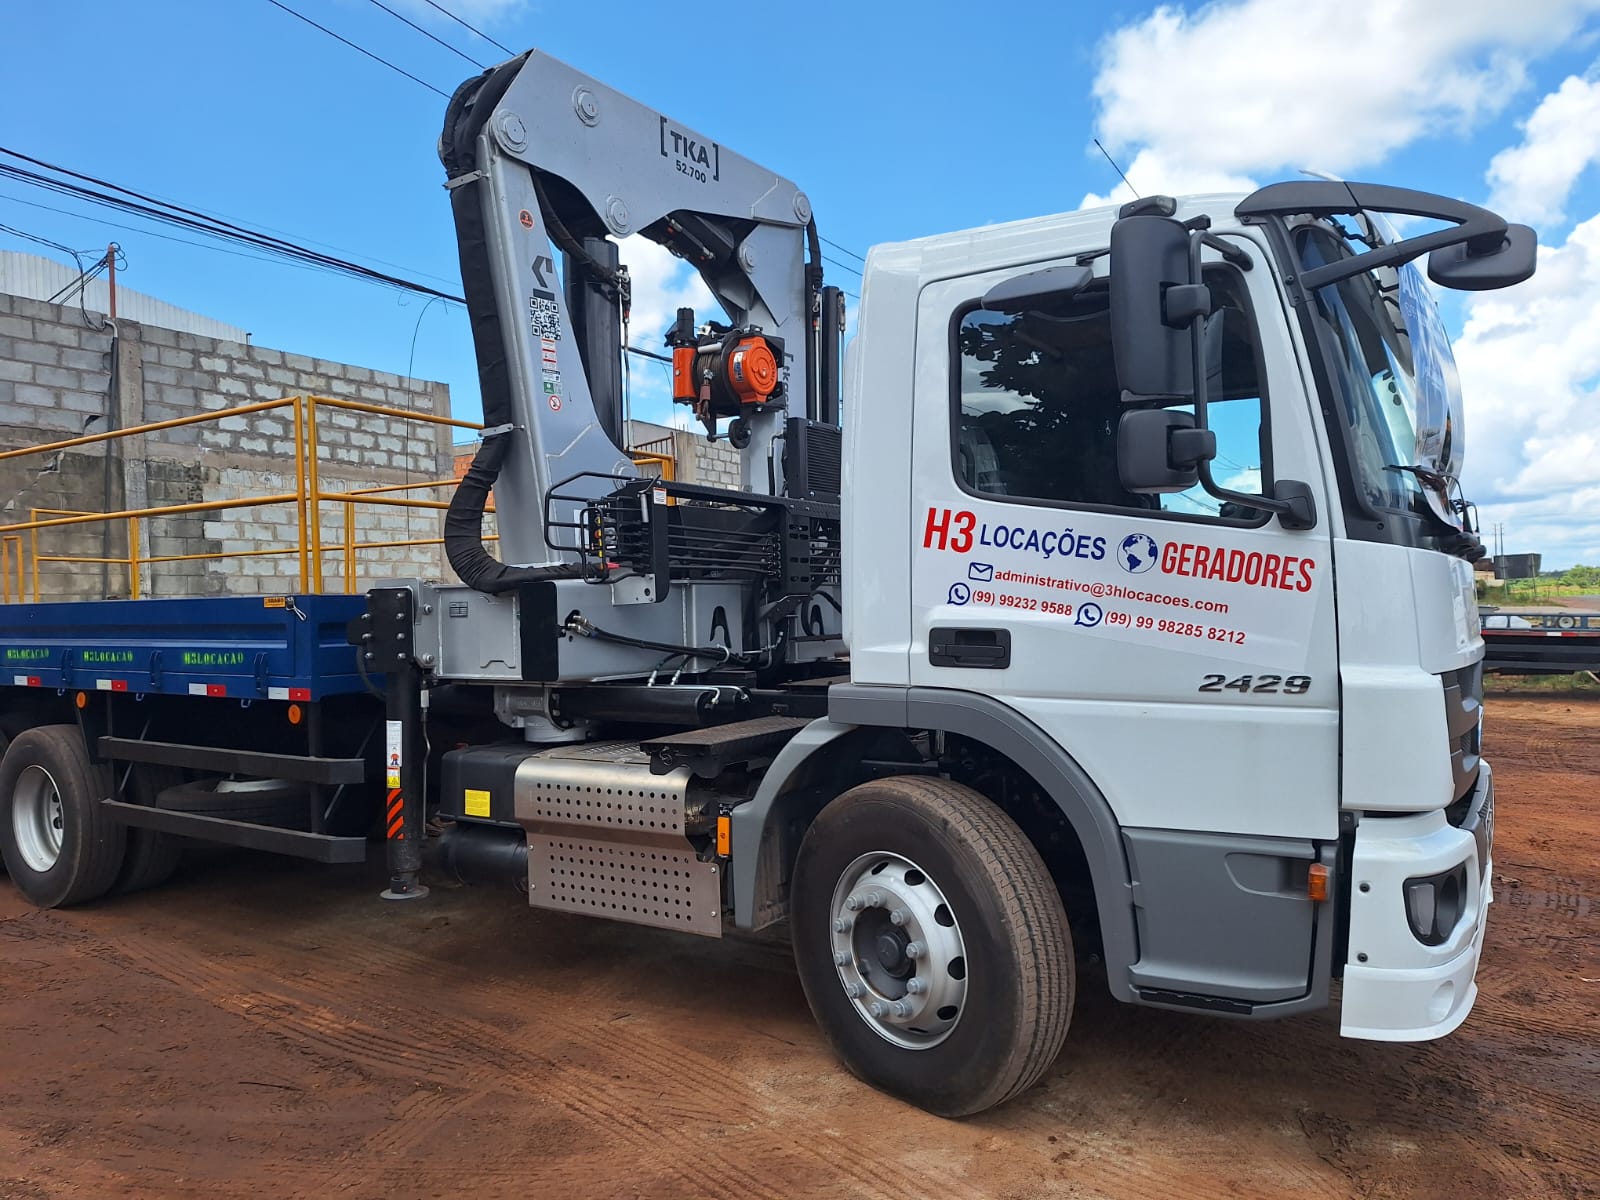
(65, 371)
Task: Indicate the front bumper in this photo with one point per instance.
(1396, 989)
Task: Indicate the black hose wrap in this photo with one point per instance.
(463, 529)
(470, 107)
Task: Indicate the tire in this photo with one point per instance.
(5, 744)
(985, 1026)
(60, 847)
(152, 856)
(283, 805)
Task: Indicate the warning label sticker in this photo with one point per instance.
(393, 752)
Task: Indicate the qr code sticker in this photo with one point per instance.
(545, 317)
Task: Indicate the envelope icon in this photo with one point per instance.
(980, 572)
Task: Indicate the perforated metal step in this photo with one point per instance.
(606, 838)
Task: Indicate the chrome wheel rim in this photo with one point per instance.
(898, 950)
(36, 818)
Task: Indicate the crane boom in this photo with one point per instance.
(546, 167)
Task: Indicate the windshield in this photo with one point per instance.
(1397, 379)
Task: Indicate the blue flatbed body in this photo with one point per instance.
(244, 647)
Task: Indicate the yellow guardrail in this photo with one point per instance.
(308, 499)
(11, 542)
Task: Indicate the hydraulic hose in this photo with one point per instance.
(463, 528)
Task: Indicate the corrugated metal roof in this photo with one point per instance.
(39, 278)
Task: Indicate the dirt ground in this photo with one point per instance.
(265, 1028)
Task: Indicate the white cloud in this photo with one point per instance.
(662, 284)
(476, 12)
(1530, 371)
(1561, 140)
(1212, 99)
(1246, 86)
(1156, 171)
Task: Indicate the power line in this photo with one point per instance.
(841, 265)
(464, 25)
(165, 237)
(85, 278)
(430, 36)
(177, 216)
(359, 49)
(75, 255)
(844, 250)
(219, 217)
(43, 241)
(479, 33)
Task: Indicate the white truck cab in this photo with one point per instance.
(1266, 723)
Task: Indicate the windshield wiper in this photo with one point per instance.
(1432, 478)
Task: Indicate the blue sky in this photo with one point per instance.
(898, 119)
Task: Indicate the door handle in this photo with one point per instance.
(986, 649)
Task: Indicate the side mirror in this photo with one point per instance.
(1160, 450)
(1154, 301)
(1511, 262)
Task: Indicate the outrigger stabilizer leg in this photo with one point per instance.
(390, 645)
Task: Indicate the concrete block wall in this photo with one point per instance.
(56, 375)
(714, 464)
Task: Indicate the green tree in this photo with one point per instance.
(1582, 577)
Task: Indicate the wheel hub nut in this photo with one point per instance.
(916, 950)
(840, 958)
(874, 899)
(853, 903)
(901, 1009)
(898, 917)
(876, 1008)
(840, 925)
(853, 990)
(915, 986)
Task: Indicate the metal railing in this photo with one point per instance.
(9, 544)
(308, 499)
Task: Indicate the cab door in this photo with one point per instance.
(1181, 649)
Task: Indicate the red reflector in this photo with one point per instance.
(300, 693)
(119, 685)
(216, 689)
(33, 681)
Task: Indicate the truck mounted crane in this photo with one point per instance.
(1111, 594)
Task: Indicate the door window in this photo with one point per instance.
(1037, 406)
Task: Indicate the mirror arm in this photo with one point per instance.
(1232, 254)
(1293, 513)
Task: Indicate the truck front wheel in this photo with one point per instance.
(932, 944)
(58, 845)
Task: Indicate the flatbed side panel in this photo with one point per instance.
(248, 647)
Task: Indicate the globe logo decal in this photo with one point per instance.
(1137, 553)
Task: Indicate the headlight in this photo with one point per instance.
(1434, 904)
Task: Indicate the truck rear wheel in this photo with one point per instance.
(932, 944)
(152, 856)
(59, 846)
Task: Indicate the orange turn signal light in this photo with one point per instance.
(81, 699)
(723, 838)
(296, 713)
(1317, 882)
